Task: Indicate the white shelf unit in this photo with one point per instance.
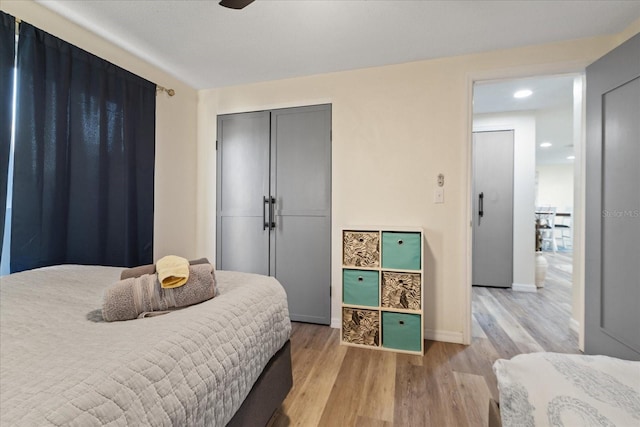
(383, 288)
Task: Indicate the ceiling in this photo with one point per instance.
(551, 102)
(549, 92)
(208, 46)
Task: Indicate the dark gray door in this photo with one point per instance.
(274, 202)
(493, 209)
(301, 183)
(612, 240)
(242, 184)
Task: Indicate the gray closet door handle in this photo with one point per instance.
(265, 202)
(272, 213)
(481, 205)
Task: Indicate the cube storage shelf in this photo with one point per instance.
(382, 288)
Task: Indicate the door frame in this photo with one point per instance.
(534, 70)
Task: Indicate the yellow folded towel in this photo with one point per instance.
(173, 271)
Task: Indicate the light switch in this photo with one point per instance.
(438, 196)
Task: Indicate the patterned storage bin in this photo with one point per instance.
(361, 249)
(361, 326)
(401, 290)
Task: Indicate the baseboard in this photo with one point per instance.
(574, 325)
(524, 287)
(444, 336)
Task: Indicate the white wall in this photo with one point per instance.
(555, 186)
(395, 128)
(176, 118)
(524, 161)
(555, 125)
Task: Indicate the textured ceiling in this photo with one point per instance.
(208, 46)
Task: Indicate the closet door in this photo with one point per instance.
(242, 187)
(301, 185)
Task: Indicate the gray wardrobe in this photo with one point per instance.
(273, 202)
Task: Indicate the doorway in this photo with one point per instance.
(546, 119)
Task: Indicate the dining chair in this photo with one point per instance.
(547, 217)
(563, 224)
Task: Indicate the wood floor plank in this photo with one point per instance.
(308, 336)
(410, 396)
(504, 346)
(306, 401)
(307, 344)
(348, 389)
(279, 419)
(478, 359)
(371, 422)
(444, 403)
(409, 359)
(379, 387)
(508, 320)
(476, 329)
(475, 397)
(545, 318)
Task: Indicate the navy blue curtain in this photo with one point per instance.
(84, 158)
(7, 56)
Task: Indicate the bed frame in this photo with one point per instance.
(268, 392)
(494, 414)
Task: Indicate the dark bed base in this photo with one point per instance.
(267, 393)
(494, 414)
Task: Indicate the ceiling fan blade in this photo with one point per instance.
(235, 4)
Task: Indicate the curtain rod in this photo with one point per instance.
(170, 92)
(159, 88)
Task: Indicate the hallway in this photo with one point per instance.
(523, 322)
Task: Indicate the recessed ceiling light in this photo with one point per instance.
(522, 93)
(571, 157)
(546, 144)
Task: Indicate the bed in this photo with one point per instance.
(553, 389)
(225, 361)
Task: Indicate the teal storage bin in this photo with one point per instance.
(401, 331)
(360, 287)
(401, 251)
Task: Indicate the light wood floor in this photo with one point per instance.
(450, 385)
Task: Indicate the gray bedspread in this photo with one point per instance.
(61, 365)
